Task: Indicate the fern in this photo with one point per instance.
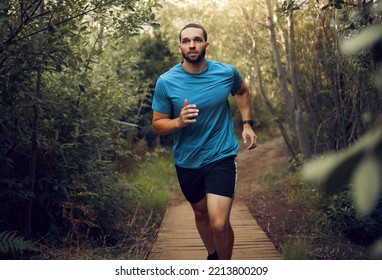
(11, 242)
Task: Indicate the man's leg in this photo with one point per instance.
(219, 209)
(203, 224)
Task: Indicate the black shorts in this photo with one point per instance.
(218, 177)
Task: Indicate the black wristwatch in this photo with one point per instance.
(250, 122)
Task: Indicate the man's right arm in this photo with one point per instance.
(163, 124)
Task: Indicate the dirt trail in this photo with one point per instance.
(254, 165)
(270, 210)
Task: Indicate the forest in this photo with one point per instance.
(84, 175)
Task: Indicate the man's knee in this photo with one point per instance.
(219, 226)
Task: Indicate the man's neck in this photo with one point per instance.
(195, 68)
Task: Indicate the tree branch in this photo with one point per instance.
(28, 19)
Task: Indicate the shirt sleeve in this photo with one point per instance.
(161, 101)
(237, 81)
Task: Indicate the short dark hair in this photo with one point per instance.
(193, 25)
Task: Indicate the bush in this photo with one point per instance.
(361, 230)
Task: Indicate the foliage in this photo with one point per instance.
(64, 96)
(361, 164)
(12, 242)
(154, 180)
(336, 90)
(345, 220)
(128, 213)
(155, 58)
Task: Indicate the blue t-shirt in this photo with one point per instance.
(212, 136)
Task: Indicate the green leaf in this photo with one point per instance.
(366, 38)
(4, 4)
(156, 26)
(131, 8)
(376, 249)
(290, 6)
(82, 88)
(58, 67)
(378, 78)
(325, 7)
(338, 6)
(334, 171)
(24, 49)
(13, 242)
(351, 26)
(367, 184)
(85, 52)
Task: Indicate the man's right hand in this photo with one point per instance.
(187, 114)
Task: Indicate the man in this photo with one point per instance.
(191, 102)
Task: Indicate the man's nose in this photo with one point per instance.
(192, 44)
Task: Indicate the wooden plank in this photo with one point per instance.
(178, 238)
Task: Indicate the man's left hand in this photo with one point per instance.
(249, 134)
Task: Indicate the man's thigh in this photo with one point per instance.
(219, 208)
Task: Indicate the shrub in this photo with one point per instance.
(361, 230)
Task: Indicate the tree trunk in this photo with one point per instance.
(262, 90)
(292, 103)
(301, 132)
(338, 91)
(34, 140)
(280, 71)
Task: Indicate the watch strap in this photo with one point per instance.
(250, 122)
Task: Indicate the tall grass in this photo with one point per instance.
(296, 250)
(153, 179)
(152, 183)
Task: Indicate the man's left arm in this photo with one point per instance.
(244, 104)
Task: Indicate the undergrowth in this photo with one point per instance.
(128, 217)
(154, 179)
(317, 227)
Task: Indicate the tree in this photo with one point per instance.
(154, 59)
(260, 85)
(293, 103)
(358, 167)
(60, 107)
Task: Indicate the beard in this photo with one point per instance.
(196, 59)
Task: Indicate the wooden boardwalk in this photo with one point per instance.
(178, 238)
